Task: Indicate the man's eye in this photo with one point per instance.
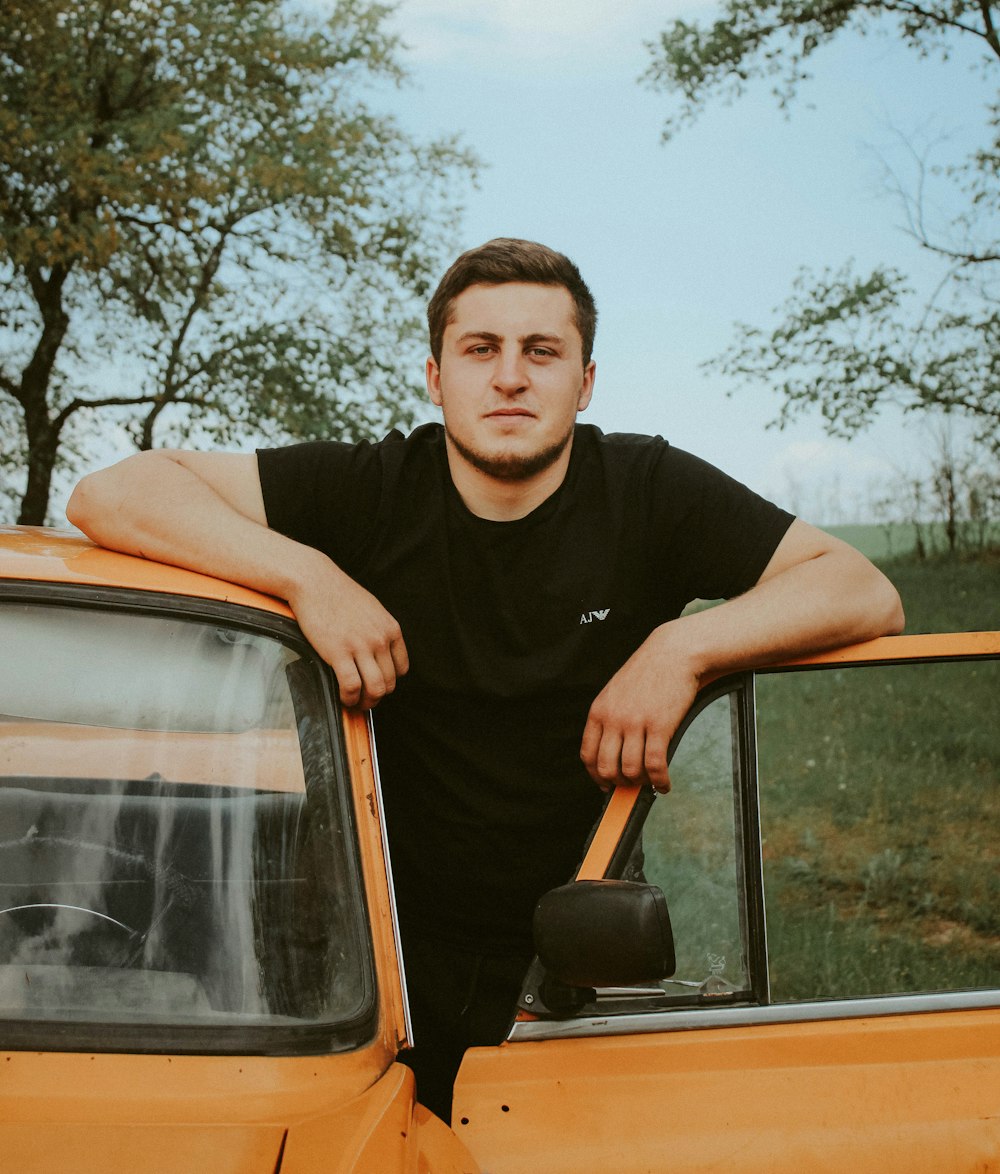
(540, 352)
(482, 349)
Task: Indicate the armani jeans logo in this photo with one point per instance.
(589, 617)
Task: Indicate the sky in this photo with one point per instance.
(679, 241)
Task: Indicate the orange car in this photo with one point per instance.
(199, 967)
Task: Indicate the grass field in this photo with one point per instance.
(880, 810)
(948, 596)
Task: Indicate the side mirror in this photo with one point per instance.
(597, 933)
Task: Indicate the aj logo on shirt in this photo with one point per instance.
(589, 617)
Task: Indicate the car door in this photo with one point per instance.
(829, 854)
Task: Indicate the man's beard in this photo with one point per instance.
(512, 466)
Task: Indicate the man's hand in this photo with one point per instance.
(636, 714)
(816, 592)
(353, 633)
(205, 511)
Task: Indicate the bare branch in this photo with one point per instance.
(943, 20)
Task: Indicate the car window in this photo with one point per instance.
(175, 844)
(692, 850)
(880, 820)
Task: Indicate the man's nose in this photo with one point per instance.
(510, 373)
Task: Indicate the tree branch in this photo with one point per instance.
(991, 33)
(114, 401)
(941, 20)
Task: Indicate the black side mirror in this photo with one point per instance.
(604, 933)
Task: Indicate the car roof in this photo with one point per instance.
(50, 555)
(47, 555)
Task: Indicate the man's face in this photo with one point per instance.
(511, 378)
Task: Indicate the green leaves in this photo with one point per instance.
(773, 38)
(846, 344)
(185, 180)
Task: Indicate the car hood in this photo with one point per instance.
(115, 1114)
(98, 1148)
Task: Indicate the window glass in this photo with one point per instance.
(880, 817)
(173, 839)
(689, 848)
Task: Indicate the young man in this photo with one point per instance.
(509, 587)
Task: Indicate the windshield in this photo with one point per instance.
(174, 835)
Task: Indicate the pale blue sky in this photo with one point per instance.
(679, 240)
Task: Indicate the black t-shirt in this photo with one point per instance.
(512, 629)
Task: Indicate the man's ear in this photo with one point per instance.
(432, 373)
(587, 387)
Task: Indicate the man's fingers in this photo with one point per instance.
(639, 756)
(349, 683)
(385, 668)
(381, 671)
(356, 636)
(655, 763)
(661, 782)
(609, 757)
(589, 747)
(366, 672)
(377, 679)
(364, 678)
(400, 657)
(633, 756)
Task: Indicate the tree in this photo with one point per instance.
(846, 342)
(206, 228)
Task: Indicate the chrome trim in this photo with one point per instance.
(407, 1022)
(692, 1019)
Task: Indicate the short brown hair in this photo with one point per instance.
(506, 259)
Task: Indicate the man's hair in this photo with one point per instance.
(500, 261)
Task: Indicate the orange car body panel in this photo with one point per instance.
(97, 1114)
(778, 1098)
(62, 556)
(865, 1096)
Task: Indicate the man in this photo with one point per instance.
(509, 587)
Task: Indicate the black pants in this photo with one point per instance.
(458, 999)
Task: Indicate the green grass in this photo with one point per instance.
(880, 802)
(944, 595)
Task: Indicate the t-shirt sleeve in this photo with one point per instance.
(715, 533)
(324, 494)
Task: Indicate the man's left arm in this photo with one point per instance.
(816, 592)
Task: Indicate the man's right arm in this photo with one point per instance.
(205, 512)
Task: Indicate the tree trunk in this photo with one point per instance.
(43, 444)
(146, 439)
(33, 395)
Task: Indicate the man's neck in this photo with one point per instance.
(499, 499)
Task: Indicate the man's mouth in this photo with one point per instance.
(509, 413)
